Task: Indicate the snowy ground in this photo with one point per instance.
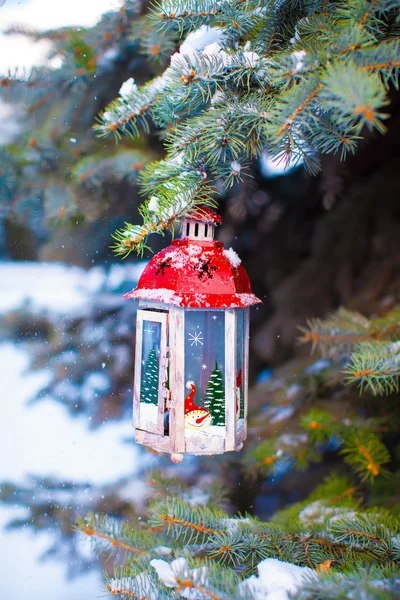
(57, 288)
(41, 439)
(17, 51)
(24, 576)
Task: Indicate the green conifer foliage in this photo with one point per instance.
(214, 398)
(337, 543)
(149, 387)
(294, 79)
(53, 171)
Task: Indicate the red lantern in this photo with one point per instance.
(191, 369)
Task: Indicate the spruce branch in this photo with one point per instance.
(171, 201)
(366, 454)
(108, 533)
(218, 551)
(376, 367)
(186, 522)
(293, 80)
(372, 346)
(183, 14)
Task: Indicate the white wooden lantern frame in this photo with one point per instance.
(172, 354)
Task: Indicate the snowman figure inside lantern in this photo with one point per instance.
(191, 361)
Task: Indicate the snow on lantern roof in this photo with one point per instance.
(195, 274)
(204, 214)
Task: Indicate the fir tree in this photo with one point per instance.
(149, 386)
(214, 398)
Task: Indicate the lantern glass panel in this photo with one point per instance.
(149, 375)
(240, 368)
(205, 362)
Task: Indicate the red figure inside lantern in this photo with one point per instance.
(190, 390)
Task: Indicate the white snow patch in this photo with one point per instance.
(233, 258)
(106, 59)
(128, 88)
(148, 416)
(293, 390)
(140, 584)
(247, 299)
(251, 57)
(163, 550)
(199, 40)
(236, 166)
(317, 512)
(394, 347)
(11, 116)
(44, 286)
(117, 274)
(298, 60)
(43, 578)
(158, 295)
(216, 50)
(18, 51)
(212, 49)
(57, 288)
(153, 204)
(94, 383)
(40, 440)
(317, 366)
(172, 574)
(282, 413)
(233, 525)
(108, 116)
(289, 439)
(218, 97)
(276, 580)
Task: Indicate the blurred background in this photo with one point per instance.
(309, 244)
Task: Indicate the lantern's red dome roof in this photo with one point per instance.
(196, 274)
(204, 214)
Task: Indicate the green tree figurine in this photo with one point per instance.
(149, 388)
(214, 398)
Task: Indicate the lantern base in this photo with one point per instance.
(177, 457)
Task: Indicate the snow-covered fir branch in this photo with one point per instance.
(198, 552)
(296, 81)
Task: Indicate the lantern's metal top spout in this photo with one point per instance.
(204, 214)
(199, 224)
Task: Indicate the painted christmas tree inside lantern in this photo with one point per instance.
(149, 391)
(214, 399)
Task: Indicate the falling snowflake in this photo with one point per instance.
(204, 367)
(196, 338)
(149, 332)
(214, 317)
